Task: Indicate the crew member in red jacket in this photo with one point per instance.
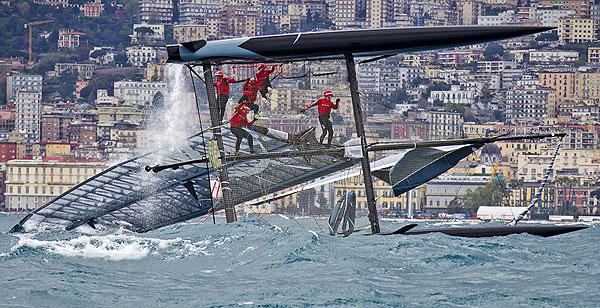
(325, 105)
(238, 121)
(262, 77)
(249, 94)
(222, 85)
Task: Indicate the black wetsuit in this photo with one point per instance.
(241, 133)
(222, 99)
(264, 89)
(327, 127)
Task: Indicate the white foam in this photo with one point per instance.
(116, 247)
(250, 248)
(284, 217)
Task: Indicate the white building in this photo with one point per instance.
(455, 95)
(442, 190)
(138, 92)
(527, 102)
(444, 124)
(21, 82)
(502, 18)
(28, 113)
(551, 57)
(103, 99)
(495, 66)
(503, 213)
(160, 11)
(449, 76)
(32, 183)
(191, 11)
(551, 17)
(138, 56)
(157, 36)
(386, 78)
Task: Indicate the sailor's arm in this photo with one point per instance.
(311, 105)
(336, 104)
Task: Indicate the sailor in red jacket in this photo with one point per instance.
(262, 78)
(325, 105)
(222, 85)
(238, 121)
(249, 94)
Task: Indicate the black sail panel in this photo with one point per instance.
(424, 164)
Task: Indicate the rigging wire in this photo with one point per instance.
(203, 143)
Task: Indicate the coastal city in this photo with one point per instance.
(83, 82)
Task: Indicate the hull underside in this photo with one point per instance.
(539, 230)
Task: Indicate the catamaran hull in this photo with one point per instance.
(544, 231)
(334, 44)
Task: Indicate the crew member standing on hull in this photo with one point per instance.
(262, 78)
(238, 121)
(249, 94)
(325, 105)
(222, 85)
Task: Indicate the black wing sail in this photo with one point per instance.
(334, 44)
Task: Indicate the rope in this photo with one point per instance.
(204, 143)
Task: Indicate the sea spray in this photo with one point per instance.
(167, 129)
(177, 118)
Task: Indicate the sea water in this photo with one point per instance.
(274, 261)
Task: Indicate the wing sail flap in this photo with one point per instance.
(423, 164)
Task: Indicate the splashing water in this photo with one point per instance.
(178, 118)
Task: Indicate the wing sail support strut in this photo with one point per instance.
(360, 131)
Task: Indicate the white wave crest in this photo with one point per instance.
(117, 247)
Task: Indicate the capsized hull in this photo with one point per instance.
(540, 230)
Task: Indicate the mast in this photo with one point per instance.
(360, 132)
(216, 130)
(540, 188)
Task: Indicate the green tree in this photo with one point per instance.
(493, 51)
(121, 59)
(490, 194)
(582, 59)
(566, 194)
(399, 96)
(3, 93)
(269, 28)
(66, 85)
(98, 53)
(595, 194)
(23, 8)
(102, 81)
(158, 101)
(130, 7)
(485, 95)
(547, 36)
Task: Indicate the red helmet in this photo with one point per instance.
(245, 107)
(219, 73)
(261, 66)
(328, 93)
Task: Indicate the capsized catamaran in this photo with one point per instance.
(125, 195)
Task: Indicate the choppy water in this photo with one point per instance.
(290, 263)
